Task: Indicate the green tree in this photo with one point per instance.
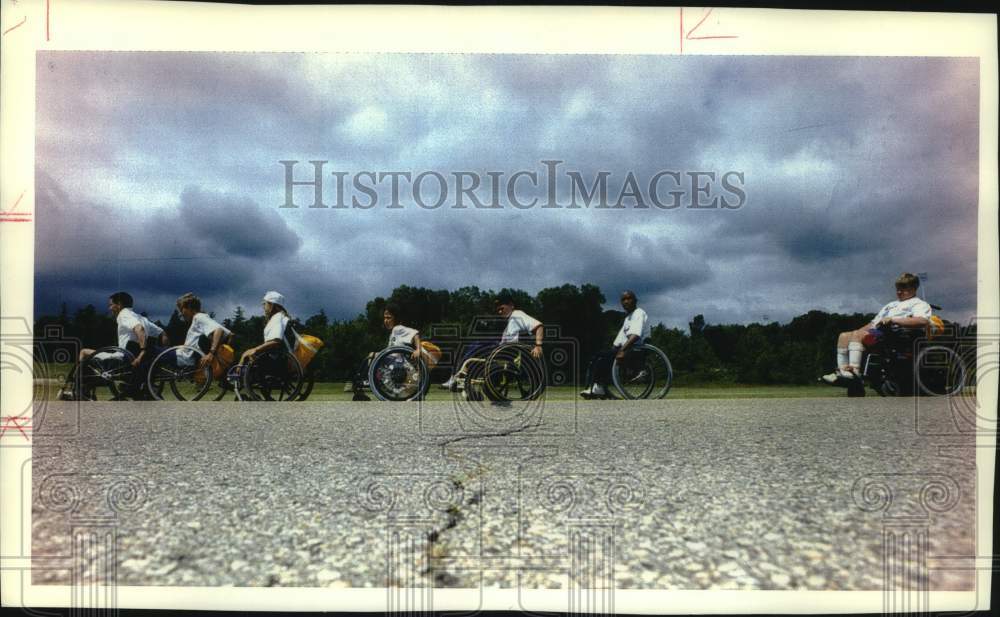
(577, 313)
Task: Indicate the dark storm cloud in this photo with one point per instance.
(211, 243)
(234, 225)
(439, 250)
(856, 169)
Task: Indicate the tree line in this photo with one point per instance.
(772, 353)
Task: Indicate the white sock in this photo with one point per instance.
(841, 357)
(854, 351)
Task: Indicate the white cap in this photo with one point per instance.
(274, 298)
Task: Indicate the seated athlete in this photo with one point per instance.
(136, 334)
(203, 332)
(907, 311)
(519, 324)
(276, 327)
(635, 330)
(399, 335)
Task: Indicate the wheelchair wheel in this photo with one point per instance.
(273, 376)
(511, 373)
(395, 376)
(939, 371)
(888, 388)
(644, 373)
(225, 388)
(170, 379)
(108, 367)
(307, 387)
(472, 389)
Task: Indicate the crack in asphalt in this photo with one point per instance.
(455, 513)
(435, 542)
(512, 431)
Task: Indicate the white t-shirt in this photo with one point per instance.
(637, 323)
(518, 323)
(401, 335)
(275, 328)
(127, 321)
(201, 325)
(914, 307)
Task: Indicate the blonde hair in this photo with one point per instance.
(189, 300)
(908, 281)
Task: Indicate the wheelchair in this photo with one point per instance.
(644, 373)
(275, 375)
(907, 362)
(507, 372)
(107, 368)
(393, 375)
(179, 374)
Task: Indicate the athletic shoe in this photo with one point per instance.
(448, 384)
(831, 378)
(594, 391)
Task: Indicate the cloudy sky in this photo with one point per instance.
(158, 173)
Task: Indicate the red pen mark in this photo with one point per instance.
(689, 35)
(11, 216)
(16, 422)
(17, 25)
(16, 202)
(698, 25)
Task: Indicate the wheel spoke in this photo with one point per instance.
(645, 373)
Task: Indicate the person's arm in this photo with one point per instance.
(213, 349)
(140, 335)
(631, 340)
(637, 323)
(539, 333)
(416, 346)
(267, 346)
(906, 322)
(253, 351)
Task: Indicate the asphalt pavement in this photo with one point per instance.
(672, 494)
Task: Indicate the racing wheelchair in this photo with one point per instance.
(392, 374)
(507, 372)
(275, 375)
(180, 373)
(912, 361)
(107, 368)
(643, 373)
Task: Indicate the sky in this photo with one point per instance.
(159, 174)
